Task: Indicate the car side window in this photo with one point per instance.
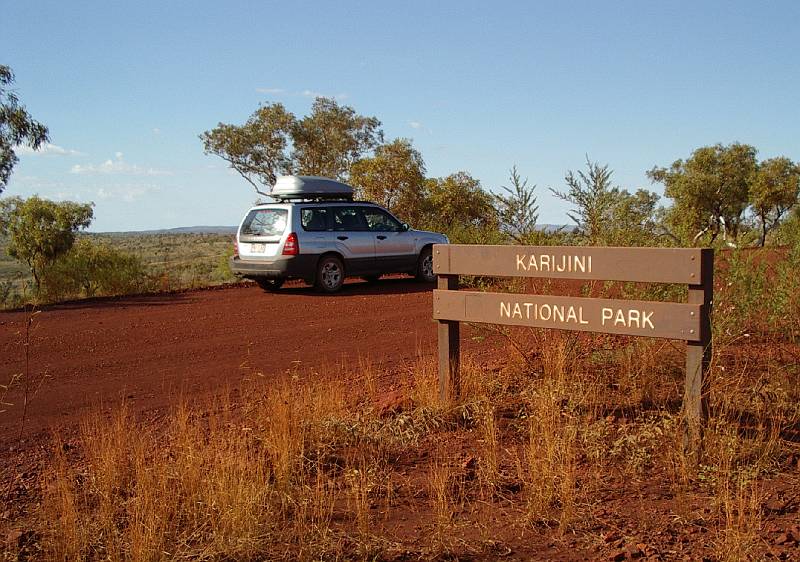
(348, 218)
(379, 220)
(314, 219)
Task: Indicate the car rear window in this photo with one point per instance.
(265, 222)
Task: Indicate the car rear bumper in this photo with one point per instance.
(282, 267)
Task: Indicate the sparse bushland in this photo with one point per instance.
(90, 268)
(119, 264)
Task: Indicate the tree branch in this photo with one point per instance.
(241, 173)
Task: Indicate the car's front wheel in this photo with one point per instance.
(269, 284)
(425, 266)
(330, 274)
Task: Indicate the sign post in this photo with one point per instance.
(449, 347)
(698, 357)
(690, 322)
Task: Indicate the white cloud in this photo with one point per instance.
(109, 192)
(156, 131)
(47, 149)
(126, 193)
(35, 183)
(313, 94)
(307, 93)
(117, 166)
(419, 126)
(67, 196)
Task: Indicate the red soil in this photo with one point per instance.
(149, 350)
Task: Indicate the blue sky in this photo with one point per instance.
(127, 87)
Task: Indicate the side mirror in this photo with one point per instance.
(404, 227)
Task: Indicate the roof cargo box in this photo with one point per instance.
(310, 187)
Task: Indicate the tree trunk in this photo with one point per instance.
(36, 280)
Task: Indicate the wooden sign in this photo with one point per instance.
(690, 321)
(649, 265)
(670, 320)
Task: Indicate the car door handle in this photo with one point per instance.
(381, 237)
(342, 237)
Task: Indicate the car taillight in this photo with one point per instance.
(235, 248)
(291, 247)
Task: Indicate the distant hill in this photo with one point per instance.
(179, 230)
(232, 230)
(550, 228)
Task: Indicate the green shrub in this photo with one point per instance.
(785, 290)
(90, 269)
(739, 301)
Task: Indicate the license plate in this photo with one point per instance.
(258, 248)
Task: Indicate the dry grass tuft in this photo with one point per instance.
(215, 485)
(549, 462)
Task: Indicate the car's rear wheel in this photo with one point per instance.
(330, 274)
(425, 266)
(269, 284)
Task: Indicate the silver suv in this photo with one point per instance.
(317, 233)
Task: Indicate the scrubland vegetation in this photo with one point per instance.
(120, 264)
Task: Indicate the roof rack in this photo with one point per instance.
(310, 188)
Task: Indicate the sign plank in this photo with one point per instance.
(634, 318)
(650, 265)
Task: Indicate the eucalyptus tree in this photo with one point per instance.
(273, 142)
(258, 149)
(710, 190)
(329, 140)
(458, 200)
(17, 127)
(393, 177)
(774, 191)
(41, 231)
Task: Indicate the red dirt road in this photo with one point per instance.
(150, 349)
